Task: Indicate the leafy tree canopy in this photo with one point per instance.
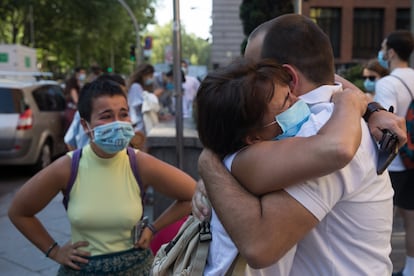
(74, 33)
(193, 48)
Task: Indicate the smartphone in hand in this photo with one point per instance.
(137, 229)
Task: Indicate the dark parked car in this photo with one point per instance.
(31, 122)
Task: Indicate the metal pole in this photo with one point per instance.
(135, 23)
(178, 82)
(297, 6)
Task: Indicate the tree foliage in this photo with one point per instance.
(193, 48)
(75, 32)
(255, 12)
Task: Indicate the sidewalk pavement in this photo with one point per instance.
(19, 257)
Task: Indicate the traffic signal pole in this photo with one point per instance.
(135, 23)
(178, 83)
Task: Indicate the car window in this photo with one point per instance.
(11, 101)
(49, 98)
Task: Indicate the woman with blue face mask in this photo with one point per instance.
(247, 103)
(372, 72)
(105, 202)
(141, 80)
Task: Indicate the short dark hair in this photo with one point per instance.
(297, 40)
(170, 74)
(402, 42)
(232, 101)
(113, 77)
(79, 68)
(94, 90)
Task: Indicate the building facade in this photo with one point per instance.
(226, 32)
(356, 28)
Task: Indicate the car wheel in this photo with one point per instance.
(45, 158)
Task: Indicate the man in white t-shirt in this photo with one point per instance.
(190, 87)
(341, 222)
(397, 90)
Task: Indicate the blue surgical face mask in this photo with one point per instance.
(369, 85)
(381, 60)
(82, 77)
(169, 86)
(149, 81)
(292, 119)
(113, 137)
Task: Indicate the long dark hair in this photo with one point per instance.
(138, 75)
(232, 101)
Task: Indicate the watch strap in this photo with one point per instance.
(371, 108)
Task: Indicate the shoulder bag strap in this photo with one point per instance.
(406, 86)
(134, 167)
(238, 266)
(73, 174)
(202, 249)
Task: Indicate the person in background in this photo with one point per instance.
(71, 92)
(162, 88)
(150, 109)
(396, 90)
(95, 72)
(142, 79)
(75, 136)
(190, 88)
(105, 201)
(169, 86)
(371, 73)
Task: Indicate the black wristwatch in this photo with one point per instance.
(371, 108)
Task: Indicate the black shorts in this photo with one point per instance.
(403, 185)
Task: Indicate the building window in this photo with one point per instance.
(368, 32)
(329, 19)
(403, 19)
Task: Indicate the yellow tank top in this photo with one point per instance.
(105, 203)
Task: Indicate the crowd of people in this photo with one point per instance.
(288, 169)
(151, 98)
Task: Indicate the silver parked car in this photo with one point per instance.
(31, 122)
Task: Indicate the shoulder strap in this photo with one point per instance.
(202, 249)
(406, 86)
(134, 167)
(73, 174)
(238, 266)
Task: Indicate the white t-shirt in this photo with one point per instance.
(354, 206)
(135, 100)
(190, 88)
(390, 91)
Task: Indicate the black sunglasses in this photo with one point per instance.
(371, 78)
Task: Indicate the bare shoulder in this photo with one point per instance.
(43, 186)
(57, 174)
